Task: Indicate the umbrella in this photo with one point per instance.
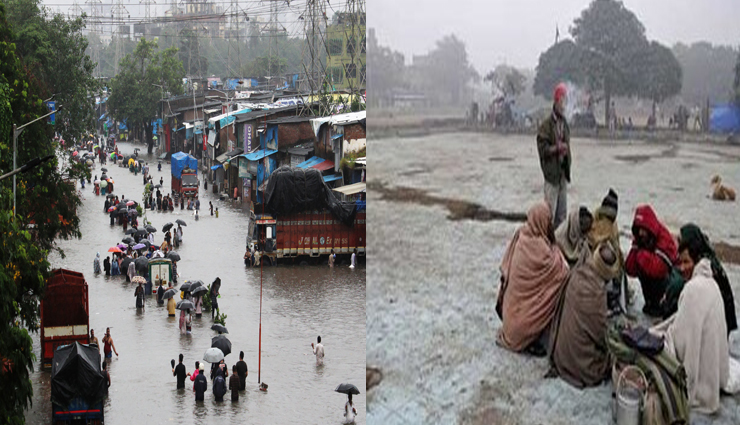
(111, 209)
(157, 186)
(114, 249)
(103, 176)
(130, 203)
(139, 246)
(141, 232)
(128, 240)
(188, 305)
(105, 170)
(222, 343)
(151, 229)
(347, 389)
(103, 184)
(172, 255)
(75, 153)
(213, 355)
(121, 205)
(158, 254)
(195, 283)
(167, 227)
(121, 211)
(181, 222)
(110, 195)
(113, 155)
(130, 231)
(141, 264)
(139, 279)
(185, 286)
(170, 293)
(89, 162)
(122, 245)
(198, 290)
(220, 328)
(145, 242)
(124, 264)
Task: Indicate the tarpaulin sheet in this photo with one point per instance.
(256, 156)
(75, 372)
(292, 190)
(310, 162)
(180, 161)
(323, 165)
(725, 119)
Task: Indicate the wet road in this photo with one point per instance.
(299, 303)
(431, 324)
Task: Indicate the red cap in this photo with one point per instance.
(560, 90)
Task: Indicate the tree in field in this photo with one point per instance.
(445, 72)
(737, 81)
(386, 74)
(46, 203)
(507, 80)
(708, 72)
(611, 54)
(133, 94)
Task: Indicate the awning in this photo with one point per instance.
(210, 111)
(351, 189)
(324, 165)
(256, 156)
(336, 136)
(216, 167)
(332, 178)
(311, 162)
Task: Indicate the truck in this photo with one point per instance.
(65, 317)
(308, 234)
(78, 385)
(184, 176)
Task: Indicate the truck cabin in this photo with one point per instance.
(265, 234)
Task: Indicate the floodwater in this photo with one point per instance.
(431, 324)
(298, 304)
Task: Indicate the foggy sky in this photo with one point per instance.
(516, 32)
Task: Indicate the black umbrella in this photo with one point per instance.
(146, 242)
(110, 195)
(126, 201)
(130, 231)
(172, 255)
(157, 186)
(188, 305)
(121, 205)
(122, 211)
(219, 328)
(222, 343)
(128, 240)
(347, 389)
(181, 222)
(141, 232)
(167, 227)
(170, 293)
(151, 229)
(194, 284)
(198, 290)
(124, 264)
(186, 286)
(142, 264)
(105, 170)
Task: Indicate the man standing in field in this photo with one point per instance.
(553, 146)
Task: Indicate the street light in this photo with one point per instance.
(27, 166)
(161, 100)
(17, 132)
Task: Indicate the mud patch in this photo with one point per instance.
(458, 210)
(483, 410)
(727, 253)
(671, 152)
(414, 172)
(500, 159)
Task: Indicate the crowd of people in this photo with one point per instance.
(564, 287)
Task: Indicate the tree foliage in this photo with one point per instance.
(507, 80)
(386, 73)
(133, 94)
(737, 80)
(708, 72)
(611, 54)
(445, 72)
(46, 204)
(193, 60)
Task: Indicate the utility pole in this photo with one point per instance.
(147, 14)
(314, 29)
(272, 28)
(95, 28)
(117, 13)
(75, 11)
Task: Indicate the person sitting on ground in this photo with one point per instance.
(605, 228)
(651, 257)
(578, 351)
(694, 239)
(533, 273)
(697, 334)
(571, 235)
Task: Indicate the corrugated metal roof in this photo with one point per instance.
(332, 178)
(324, 165)
(310, 162)
(256, 156)
(352, 188)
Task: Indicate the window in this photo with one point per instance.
(363, 74)
(351, 45)
(337, 74)
(350, 70)
(363, 45)
(335, 47)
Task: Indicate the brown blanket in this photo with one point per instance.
(533, 272)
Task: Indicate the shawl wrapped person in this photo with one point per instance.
(96, 263)
(578, 350)
(533, 273)
(571, 234)
(131, 273)
(695, 240)
(697, 337)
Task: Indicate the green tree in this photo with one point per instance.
(133, 96)
(445, 72)
(46, 211)
(708, 71)
(194, 62)
(561, 62)
(386, 73)
(507, 80)
(660, 76)
(737, 81)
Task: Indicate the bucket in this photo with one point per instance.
(631, 390)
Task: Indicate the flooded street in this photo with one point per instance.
(298, 304)
(431, 324)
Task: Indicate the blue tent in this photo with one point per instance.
(181, 160)
(725, 119)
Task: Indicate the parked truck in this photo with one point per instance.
(184, 176)
(65, 310)
(78, 385)
(309, 233)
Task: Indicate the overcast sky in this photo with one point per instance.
(516, 32)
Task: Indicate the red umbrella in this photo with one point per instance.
(75, 153)
(114, 249)
(129, 203)
(111, 209)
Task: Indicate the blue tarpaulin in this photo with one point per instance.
(256, 156)
(122, 126)
(725, 119)
(310, 162)
(156, 124)
(255, 83)
(231, 84)
(181, 160)
(101, 117)
(216, 167)
(332, 178)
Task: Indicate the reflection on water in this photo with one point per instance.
(298, 304)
